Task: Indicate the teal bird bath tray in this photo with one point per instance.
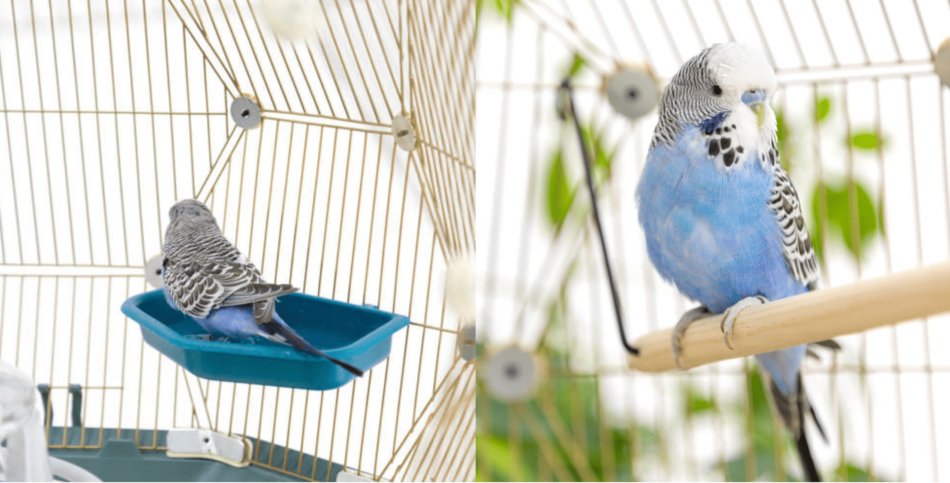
(359, 335)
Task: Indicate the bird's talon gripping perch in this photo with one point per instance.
(725, 338)
(729, 320)
(680, 330)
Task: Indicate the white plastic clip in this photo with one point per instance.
(207, 444)
(202, 442)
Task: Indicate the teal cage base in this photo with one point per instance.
(121, 459)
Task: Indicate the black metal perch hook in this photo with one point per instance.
(565, 105)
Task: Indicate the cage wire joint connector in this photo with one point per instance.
(565, 109)
(246, 112)
(404, 132)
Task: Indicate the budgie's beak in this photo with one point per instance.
(755, 99)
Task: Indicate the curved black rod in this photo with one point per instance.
(567, 113)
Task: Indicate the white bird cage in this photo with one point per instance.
(863, 114)
(292, 120)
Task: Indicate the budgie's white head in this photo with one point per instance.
(743, 74)
(727, 84)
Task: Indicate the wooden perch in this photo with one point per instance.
(811, 317)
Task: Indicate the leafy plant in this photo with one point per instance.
(504, 8)
(560, 195)
(696, 403)
(575, 403)
(560, 192)
(784, 145)
(867, 140)
(576, 65)
(822, 107)
(839, 210)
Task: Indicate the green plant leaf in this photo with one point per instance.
(560, 195)
(697, 403)
(867, 140)
(780, 126)
(505, 8)
(603, 159)
(880, 216)
(577, 64)
(839, 211)
(821, 109)
(499, 456)
(784, 146)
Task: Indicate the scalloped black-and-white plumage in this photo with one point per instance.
(203, 271)
(798, 251)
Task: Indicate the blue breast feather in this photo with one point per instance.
(710, 232)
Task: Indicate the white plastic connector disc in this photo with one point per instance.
(632, 91)
(295, 19)
(512, 375)
(246, 112)
(460, 286)
(942, 62)
(404, 132)
(466, 342)
(153, 271)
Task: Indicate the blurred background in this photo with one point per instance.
(862, 131)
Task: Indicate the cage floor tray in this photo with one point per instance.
(358, 335)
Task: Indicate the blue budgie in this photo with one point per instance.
(208, 279)
(722, 219)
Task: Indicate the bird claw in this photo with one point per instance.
(729, 319)
(680, 330)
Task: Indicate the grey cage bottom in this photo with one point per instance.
(120, 459)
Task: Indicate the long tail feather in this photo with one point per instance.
(299, 343)
(801, 440)
(814, 417)
(808, 464)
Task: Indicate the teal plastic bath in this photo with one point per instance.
(359, 335)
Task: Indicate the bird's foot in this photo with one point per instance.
(209, 337)
(680, 330)
(729, 319)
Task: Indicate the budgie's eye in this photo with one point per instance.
(717, 90)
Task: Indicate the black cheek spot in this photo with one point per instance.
(718, 130)
(725, 142)
(729, 157)
(733, 126)
(726, 129)
(739, 149)
(713, 147)
(772, 157)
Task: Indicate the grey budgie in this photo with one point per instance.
(208, 279)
